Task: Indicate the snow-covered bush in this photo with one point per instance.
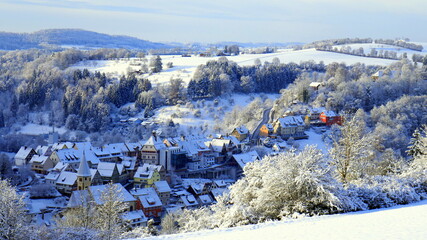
(287, 184)
(43, 191)
(385, 191)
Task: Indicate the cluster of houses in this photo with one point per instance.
(149, 173)
(294, 124)
(144, 171)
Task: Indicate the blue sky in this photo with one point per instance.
(223, 20)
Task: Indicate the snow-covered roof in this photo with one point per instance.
(291, 121)
(243, 158)
(61, 166)
(233, 139)
(73, 156)
(39, 159)
(133, 146)
(116, 148)
(147, 170)
(67, 178)
(23, 152)
(78, 197)
(189, 200)
(162, 186)
(220, 183)
(329, 113)
(93, 173)
(82, 146)
(149, 198)
(106, 169)
(64, 145)
(218, 144)
(317, 110)
(129, 163)
(182, 193)
(42, 150)
(197, 187)
(134, 215)
(124, 195)
(156, 142)
(315, 84)
(53, 175)
(205, 199)
(242, 130)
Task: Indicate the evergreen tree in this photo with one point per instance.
(418, 144)
(156, 64)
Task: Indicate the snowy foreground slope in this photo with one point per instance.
(400, 222)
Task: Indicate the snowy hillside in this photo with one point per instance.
(400, 222)
(384, 47)
(184, 67)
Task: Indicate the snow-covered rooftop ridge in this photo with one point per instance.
(149, 198)
(242, 130)
(330, 113)
(38, 159)
(147, 170)
(162, 186)
(243, 158)
(23, 152)
(156, 142)
(289, 121)
(67, 178)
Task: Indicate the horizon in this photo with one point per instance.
(238, 21)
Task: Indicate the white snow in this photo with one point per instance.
(400, 50)
(184, 67)
(400, 222)
(314, 139)
(37, 129)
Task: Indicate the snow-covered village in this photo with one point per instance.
(221, 125)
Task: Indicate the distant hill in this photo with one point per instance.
(72, 37)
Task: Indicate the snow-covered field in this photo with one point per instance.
(36, 129)
(184, 67)
(314, 139)
(400, 222)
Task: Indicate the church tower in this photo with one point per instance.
(83, 175)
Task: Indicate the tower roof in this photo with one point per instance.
(84, 170)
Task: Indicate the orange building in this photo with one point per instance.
(330, 118)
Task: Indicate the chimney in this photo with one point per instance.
(154, 135)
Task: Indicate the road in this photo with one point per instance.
(265, 119)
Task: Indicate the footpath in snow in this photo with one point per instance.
(399, 222)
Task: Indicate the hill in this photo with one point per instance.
(72, 37)
(400, 222)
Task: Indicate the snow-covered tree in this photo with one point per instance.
(109, 220)
(83, 216)
(12, 213)
(418, 142)
(156, 64)
(352, 150)
(169, 224)
(287, 184)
